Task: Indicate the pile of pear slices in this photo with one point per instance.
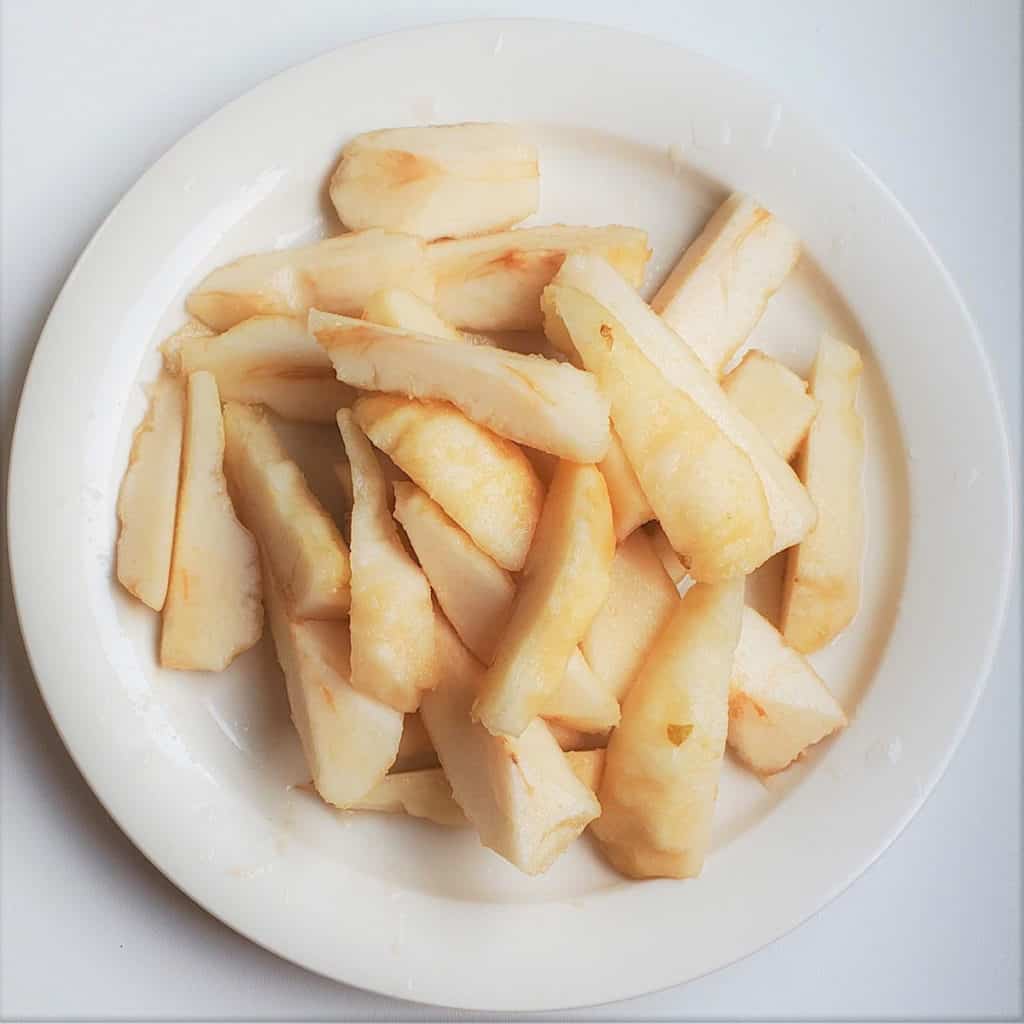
(529, 616)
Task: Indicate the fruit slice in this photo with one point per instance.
(564, 584)
(630, 507)
(268, 360)
(703, 488)
(582, 699)
(792, 511)
(640, 599)
(484, 482)
(663, 762)
(437, 181)
(426, 794)
(536, 401)
(822, 585)
(392, 616)
(213, 610)
(338, 274)
(717, 292)
(350, 740)
(306, 550)
(778, 705)
(773, 398)
(494, 283)
(520, 794)
(148, 500)
(396, 307)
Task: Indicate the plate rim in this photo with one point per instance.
(1010, 505)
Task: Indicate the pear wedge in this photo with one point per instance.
(663, 763)
(821, 590)
(350, 740)
(564, 584)
(338, 274)
(306, 550)
(494, 283)
(719, 289)
(396, 307)
(148, 500)
(520, 794)
(773, 398)
(392, 616)
(535, 401)
(778, 705)
(267, 360)
(437, 181)
(483, 481)
(213, 610)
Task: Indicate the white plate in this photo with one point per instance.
(196, 769)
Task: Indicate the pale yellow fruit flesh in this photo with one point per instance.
(821, 591)
(664, 761)
(719, 289)
(349, 740)
(392, 615)
(535, 401)
(476, 595)
(494, 283)
(703, 488)
(267, 360)
(773, 398)
(778, 704)
(396, 307)
(306, 550)
(426, 793)
(148, 500)
(483, 481)
(213, 610)
(521, 794)
(630, 507)
(640, 599)
(437, 181)
(792, 512)
(338, 274)
(564, 584)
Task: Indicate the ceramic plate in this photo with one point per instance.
(197, 769)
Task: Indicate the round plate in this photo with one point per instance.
(197, 769)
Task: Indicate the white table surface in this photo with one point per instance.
(926, 92)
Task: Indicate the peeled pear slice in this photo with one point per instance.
(148, 500)
(821, 590)
(640, 599)
(338, 274)
(213, 610)
(350, 740)
(268, 360)
(396, 307)
(438, 181)
(494, 283)
(663, 762)
(521, 794)
(535, 401)
(773, 398)
(630, 507)
(778, 705)
(484, 482)
(564, 584)
(717, 292)
(792, 512)
(306, 550)
(703, 488)
(392, 615)
(426, 793)
(476, 595)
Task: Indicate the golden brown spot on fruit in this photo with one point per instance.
(739, 702)
(678, 734)
(608, 335)
(403, 167)
(328, 697)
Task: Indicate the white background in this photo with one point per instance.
(926, 92)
